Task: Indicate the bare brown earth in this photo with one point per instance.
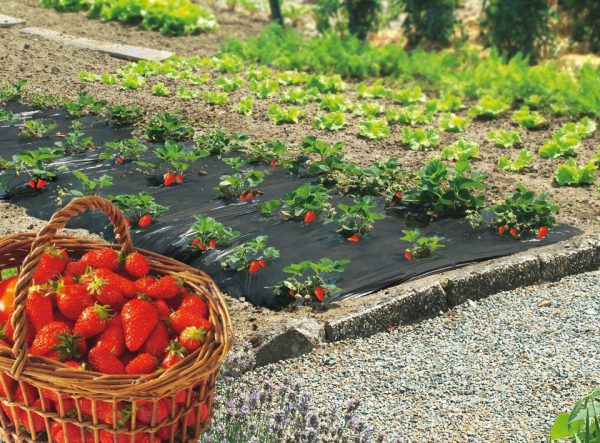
(51, 68)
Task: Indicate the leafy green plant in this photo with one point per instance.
(331, 121)
(139, 208)
(453, 123)
(460, 150)
(160, 90)
(505, 139)
(208, 233)
(370, 110)
(12, 91)
(120, 115)
(281, 115)
(520, 163)
(328, 157)
(132, 81)
(305, 202)
(217, 142)
(408, 96)
(216, 98)
(526, 118)
(36, 128)
(567, 140)
(523, 212)
(420, 139)
(162, 127)
(76, 142)
(7, 116)
(245, 106)
(229, 84)
(123, 150)
(84, 105)
(420, 247)
(569, 174)
(334, 102)
(488, 107)
(582, 424)
(356, 219)
(431, 22)
(410, 115)
(270, 152)
(374, 129)
(298, 96)
(187, 94)
(441, 190)
(88, 186)
(376, 90)
(311, 281)
(252, 255)
(264, 89)
(175, 157)
(240, 185)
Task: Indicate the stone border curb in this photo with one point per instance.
(6, 21)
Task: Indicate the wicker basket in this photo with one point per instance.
(192, 379)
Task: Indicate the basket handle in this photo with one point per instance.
(40, 243)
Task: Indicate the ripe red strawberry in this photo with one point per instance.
(262, 263)
(106, 293)
(123, 283)
(56, 341)
(26, 393)
(144, 363)
(102, 258)
(165, 287)
(41, 183)
(31, 183)
(193, 337)
(353, 238)
(157, 342)
(212, 244)
(52, 263)
(163, 309)
(72, 300)
(143, 284)
(195, 303)
(145, 221)
(168, 179)
(36, 423)
(398, 196)
(175, 353)
(408, 255)
(513, 232)
(73, 434)
(179, 179)
(542, 232)
(319, 293)
(113, 337)
(254, 267)
(120, 159)
(192, 312)
(144, 410)
(273, 163)
(501, 230)
(309, 216)
(197, 244)
(139, 318)
(39, 306)
(75, 269)
(136, 265)
(93, 320)
(102, 360)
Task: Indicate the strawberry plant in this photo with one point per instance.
(252, 255)
(123, 150)
(374, 129)
(488, 107)
(569, 174)
(76, 142)
(88, 186)
(356, 219)
(333, 103)
(420, 247)
(505, 139)
(526, 118)
(460, 150)
(36, 128)
(311, 281)
(12, 91)
(37, 165)
(270, 152)
(420, 139)
(139, 208)
(160, 90)
(217, 142)
(305, 203)
(245, 106)
(211, 234)
(523, 212)
(175, 158)
(120, 115)
(520, 163)
(441, 190)
(228, 84)
(216, 98)
(329, 157)
(84, 105)
(240, 185)
(408, 96)
(236, 163)
(453, 123)
(332, 121)
(162, 127)
(281, 115)
(410, 115)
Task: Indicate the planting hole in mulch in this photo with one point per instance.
(376, 261)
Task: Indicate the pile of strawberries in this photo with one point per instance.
(105, 313)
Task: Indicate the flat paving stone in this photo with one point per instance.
(6, 21)
(125, 52)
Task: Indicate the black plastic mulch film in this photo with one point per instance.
(377, 261)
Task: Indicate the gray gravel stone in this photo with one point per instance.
(499, 369)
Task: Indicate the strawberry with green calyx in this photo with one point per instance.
(102, 258)
(52, 264)
(157, 342)
(139, 318)
(144, 363)
(252, 255)
(39, 306)
(93, 320)
(72, 299)
(136, 265)
(165, 287)
(113, 337)
(102, 360)
(420, 247)
(175, 353)
(55, 340)
(209, 233)
(106, 293)
(193, 337)
(192, 312)
(75, 269)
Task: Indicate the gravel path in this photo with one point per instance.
(499, 369)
